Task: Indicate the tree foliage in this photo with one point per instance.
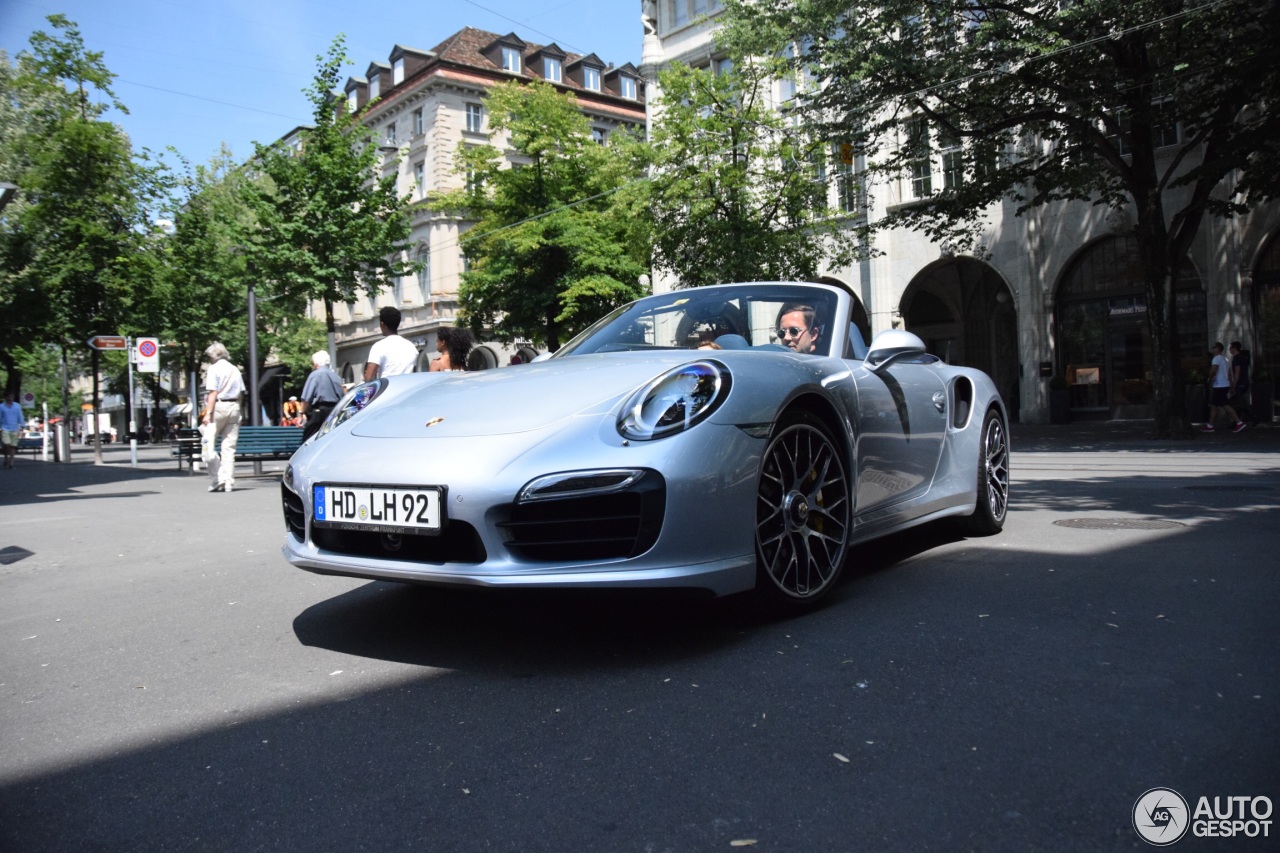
(72, 245)
(738, 190)
(328, 225)
(1164, 107)
(555, 241)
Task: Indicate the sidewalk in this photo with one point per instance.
(1136, 435)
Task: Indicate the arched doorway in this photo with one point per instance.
(1103, 342)
(963, 311)
(1266, 325)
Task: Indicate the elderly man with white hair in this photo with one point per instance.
(225, 387)
(320, 394)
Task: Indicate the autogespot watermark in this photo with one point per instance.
(1162, 816)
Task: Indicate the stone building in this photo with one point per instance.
(1055, 291)
(424, 104)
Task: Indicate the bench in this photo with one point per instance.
(255, 442)
(186, 448)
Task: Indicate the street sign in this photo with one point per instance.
(148, 357)
(108, 342)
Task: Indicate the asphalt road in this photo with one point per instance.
(168, 682)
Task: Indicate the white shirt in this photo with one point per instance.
(394, 355)
(1222, 378)
(224, 377)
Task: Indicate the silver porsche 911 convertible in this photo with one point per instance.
(720, 438)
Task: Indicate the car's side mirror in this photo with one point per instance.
(889, 346)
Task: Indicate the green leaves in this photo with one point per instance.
(328, 224)
(555, 243)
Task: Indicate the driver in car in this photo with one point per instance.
(796, 328)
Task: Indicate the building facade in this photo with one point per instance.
(424, 105)
(1053, 292)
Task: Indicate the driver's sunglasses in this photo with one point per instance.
(791, 332)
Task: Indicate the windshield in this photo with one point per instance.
(761, 316)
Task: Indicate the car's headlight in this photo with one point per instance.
(356, 401)
(675, 401)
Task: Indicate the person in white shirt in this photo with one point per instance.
(222, 409)
(393, 354)
(1220, 388)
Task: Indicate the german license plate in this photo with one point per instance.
(383, 508)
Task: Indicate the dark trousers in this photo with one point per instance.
(315, 418)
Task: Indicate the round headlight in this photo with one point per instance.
(356, 400)
(675, 401)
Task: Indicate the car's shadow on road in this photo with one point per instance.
(521, 632)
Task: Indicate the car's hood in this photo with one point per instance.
(515, 399)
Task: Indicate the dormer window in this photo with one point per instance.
(511, 60)
(591, 79)
(627, 87)
(397, 72)
(551, 69)
(375, 88)
(353, 100)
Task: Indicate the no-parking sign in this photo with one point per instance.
(148, 355)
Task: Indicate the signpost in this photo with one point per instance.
(101, 342)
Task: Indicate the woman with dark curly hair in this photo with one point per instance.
(453, 346)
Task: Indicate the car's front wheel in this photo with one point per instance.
(993, 479)
(803, 508)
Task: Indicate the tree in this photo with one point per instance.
(1050, 102)
(555, 242)
(738, 191)
(327, 227)
(72, 246)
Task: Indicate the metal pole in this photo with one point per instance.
(133, 411)
(255, 408)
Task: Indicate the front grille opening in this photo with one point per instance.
(458, 542)
(295, 517)
(593, 527)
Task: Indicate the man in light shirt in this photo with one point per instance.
(393, 354)
(222, 409)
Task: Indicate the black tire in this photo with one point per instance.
(803, 507)
(993, 479)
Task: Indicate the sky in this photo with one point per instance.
(195, 74)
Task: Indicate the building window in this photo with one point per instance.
(920, 164)
(353, 100)
(591, 79)
(952, 162)
(417, 123)
(475, 118)
(420, 176)
(723, 65)
(375, 88)
(679, 12)
(551, 69)
(628, 87)
(846, 178)
(599, 135)
(511, 60)
(397, 72)
(424, 273)
(391, 133)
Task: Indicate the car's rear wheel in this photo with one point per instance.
(993, 479)
(803, 506)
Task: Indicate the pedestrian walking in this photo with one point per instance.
(1220, 388)
(222, 410)
(11, 420)
(393, 354)
(322, 391)
(1239, 400)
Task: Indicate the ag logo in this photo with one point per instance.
(1161, 817)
